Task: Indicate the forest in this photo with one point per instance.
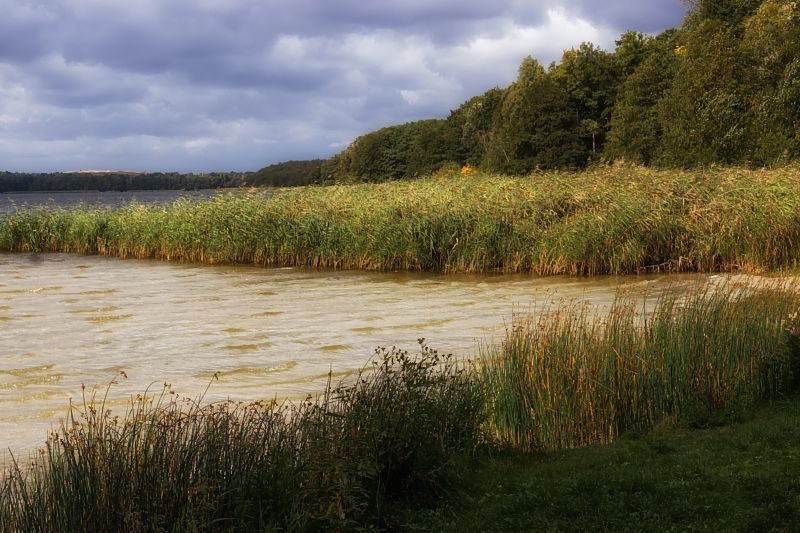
(724, 88)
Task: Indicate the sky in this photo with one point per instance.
(214, 85)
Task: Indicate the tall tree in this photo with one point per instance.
(635, 133)
(535, 127)
(590, 76)
(471, 125)
(704, 114)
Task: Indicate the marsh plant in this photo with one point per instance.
(568, 379)
(401, 431)
(396, 432)
(793, 345)
(610, 220)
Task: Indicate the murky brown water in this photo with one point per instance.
(71, 320)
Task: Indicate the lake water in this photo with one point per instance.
(69, 320)
(9, 202)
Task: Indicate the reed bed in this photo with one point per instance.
(328, 464)
(610, 220)
(566, 379)
(402, 431)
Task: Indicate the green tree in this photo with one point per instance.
(703, 116)
(471, 126)
(731, 12)
(770, 45)
(590, 76)
(535, 126)
(635, 132)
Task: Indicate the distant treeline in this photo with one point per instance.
(117, 181)
(724, 88)
(286, 174)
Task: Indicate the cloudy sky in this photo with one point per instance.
(201, 85)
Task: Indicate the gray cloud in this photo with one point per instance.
(236, 84)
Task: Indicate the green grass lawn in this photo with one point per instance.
(744, 476)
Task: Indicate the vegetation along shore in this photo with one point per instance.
(385, 448)
(610, 220)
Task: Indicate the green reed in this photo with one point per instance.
(608, 220)
(567, 379)
(395, 433)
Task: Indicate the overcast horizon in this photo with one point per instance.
(215, 85)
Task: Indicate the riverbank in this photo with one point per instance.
(406, 432)
(741, 476)
(611, 220)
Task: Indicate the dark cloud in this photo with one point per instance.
(644, 16)
(236, 84)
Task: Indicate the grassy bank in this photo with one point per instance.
(743, 476)
(609, 220)
(401, 434)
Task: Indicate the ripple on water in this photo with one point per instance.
(335, 348)
(102, 319)
(366, 330)
(269, 313)
(249, 372)
(18, 378)
(234, 330)
(422, 325)
(99, 291)
(246, 347)
(89, 310)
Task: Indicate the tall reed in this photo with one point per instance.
(566, 379)
(395, 433)
(609, 220)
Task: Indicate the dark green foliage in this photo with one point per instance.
(393, 434)
(636, 128)
(722, 89)
(287, 174)
(731, 12)
(117, 181)
(711, 128)
(590, 77)
(535, 127)
(405, 151)
(472, 125)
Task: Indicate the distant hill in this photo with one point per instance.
(287, 174)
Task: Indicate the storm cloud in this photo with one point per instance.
(197, 85)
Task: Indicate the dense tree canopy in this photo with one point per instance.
(723, 88)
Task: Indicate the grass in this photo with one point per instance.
(384, 449)
(396, 434)
(608, 220)
(743, 476)
(567, 380)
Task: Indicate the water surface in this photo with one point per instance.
(69, 320)
(12, 201)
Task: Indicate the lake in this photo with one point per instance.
(69, 320)
(9, 202)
